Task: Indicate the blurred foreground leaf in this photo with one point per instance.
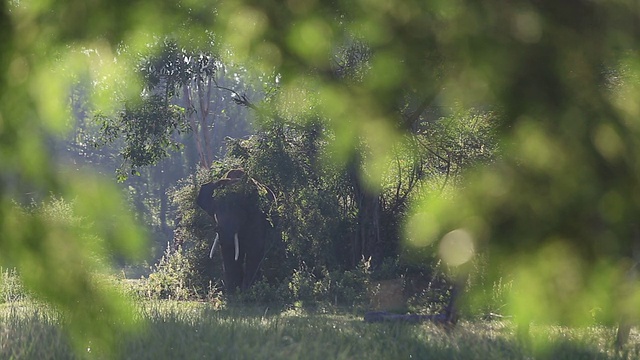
(557, 210)
(60, 251)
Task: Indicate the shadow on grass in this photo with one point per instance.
(257, 334)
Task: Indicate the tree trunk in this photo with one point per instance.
(195, 128)
(367, 240)
(204, 96)
(164, 203)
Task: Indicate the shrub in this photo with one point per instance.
(174, 278)
(346, 288)
(302, 285)
(491, 296)
(389, 269)
(264, 293)
(352, 287)
(429, 290)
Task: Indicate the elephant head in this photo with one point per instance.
(241, 226)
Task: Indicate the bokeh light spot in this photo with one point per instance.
(456, 247)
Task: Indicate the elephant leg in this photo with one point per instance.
(233, 270)
(252, 267)
(254, 246)
(252, 239)
(452, 311)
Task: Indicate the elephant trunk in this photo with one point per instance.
(215, 242)
(237, 245)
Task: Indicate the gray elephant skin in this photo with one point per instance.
(241, 226)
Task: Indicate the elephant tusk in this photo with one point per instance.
(215, 242)
(237, 244)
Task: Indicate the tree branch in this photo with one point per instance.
(411, 120)
(237, 97)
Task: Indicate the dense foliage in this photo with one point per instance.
(317, 239)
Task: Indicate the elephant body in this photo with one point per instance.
(241, 226)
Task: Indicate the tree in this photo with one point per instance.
(189, 99)
(187, 106)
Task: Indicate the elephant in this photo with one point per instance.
(233, 203)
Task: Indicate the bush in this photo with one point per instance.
(264, 293)
(389, 269)
(491, 296)
(351, 287)
(338, 288)
(174, 278)
(429, 290)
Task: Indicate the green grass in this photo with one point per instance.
(190, 330)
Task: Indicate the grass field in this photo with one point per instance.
(191, 330)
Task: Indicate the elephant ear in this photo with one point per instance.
(205, 197)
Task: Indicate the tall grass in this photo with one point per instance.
(11, 289)
(204, 330)
(192, 330)
(28, 331)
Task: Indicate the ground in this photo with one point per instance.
(196, 330)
